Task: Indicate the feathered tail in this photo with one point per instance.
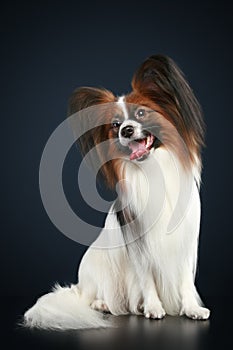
(64, 308)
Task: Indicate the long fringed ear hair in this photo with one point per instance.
(94, 120)
(161, 81)
(81, 99)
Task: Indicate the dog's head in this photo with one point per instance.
(160, 107)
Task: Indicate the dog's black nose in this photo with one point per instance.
(127, 131)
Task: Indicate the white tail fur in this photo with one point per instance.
(63, 308)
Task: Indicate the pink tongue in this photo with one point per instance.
(138, 149)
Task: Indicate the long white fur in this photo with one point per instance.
(154, 275)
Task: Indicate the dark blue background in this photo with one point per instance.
(50, 48)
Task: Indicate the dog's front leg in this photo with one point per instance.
(191, 303)
(152, 305)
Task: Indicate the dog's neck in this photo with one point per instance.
(148, 188)
(136, 193)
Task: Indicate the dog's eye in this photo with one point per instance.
(140, 113)
(116, 124)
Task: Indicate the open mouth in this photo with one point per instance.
(141, 148)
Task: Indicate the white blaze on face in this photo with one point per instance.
(121, 103)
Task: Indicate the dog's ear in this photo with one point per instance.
(86, 121)
(89, 125)
(85, 97)
(160, 80)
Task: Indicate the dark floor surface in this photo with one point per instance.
(133, 332)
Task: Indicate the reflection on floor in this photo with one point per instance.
(129, 332)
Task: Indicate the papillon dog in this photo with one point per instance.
(148, 143)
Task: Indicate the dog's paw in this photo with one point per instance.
(155, 312)
(196, 312)
(99, 305)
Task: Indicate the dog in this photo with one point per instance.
(149, 144)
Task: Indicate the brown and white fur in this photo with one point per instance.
(154, 275)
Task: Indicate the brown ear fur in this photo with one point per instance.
(81, 99)
(94, 120)
(85, 97)
(161, 81)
